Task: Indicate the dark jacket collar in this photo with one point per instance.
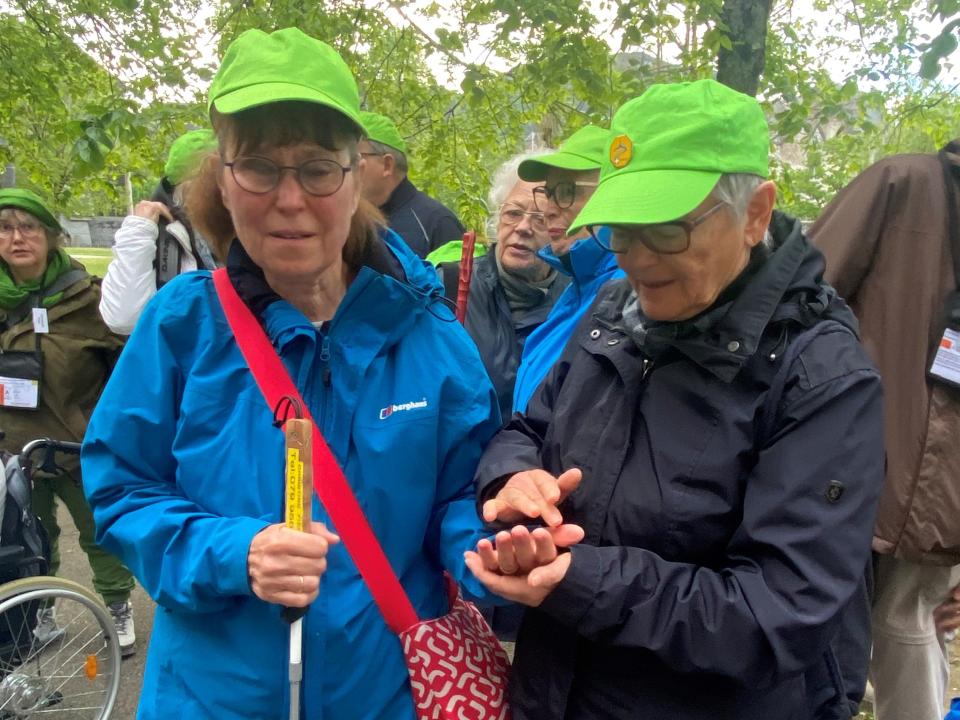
(401, 195)
(247, 277)
(788, 286)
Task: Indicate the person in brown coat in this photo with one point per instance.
(888, 238)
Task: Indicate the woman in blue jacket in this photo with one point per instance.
(183, 467)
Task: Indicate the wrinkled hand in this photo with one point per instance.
(152, 210)
(285, 565)
(946, 615)
(530, 589)
(532, 494)
(524, 566)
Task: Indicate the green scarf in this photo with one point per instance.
(11, 294)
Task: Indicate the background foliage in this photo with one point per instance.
(97, 88)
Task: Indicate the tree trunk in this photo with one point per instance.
(740, 67)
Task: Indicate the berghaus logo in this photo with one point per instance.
(403, 407)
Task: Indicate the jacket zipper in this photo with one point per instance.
(325, 374)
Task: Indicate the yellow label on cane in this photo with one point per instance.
(294, 490)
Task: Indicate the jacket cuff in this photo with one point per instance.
(234, 578)
(572, 599)
(135, 222)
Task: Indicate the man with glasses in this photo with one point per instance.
(569, 176)
(424, 223)
(715, 427)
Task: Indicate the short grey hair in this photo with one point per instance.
(735, 191)
(399, 157)
(502, 182)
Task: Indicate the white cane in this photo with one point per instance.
(298, 485)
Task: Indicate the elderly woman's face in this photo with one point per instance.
(521, 231)
(582, 183)
(677, 287)
(23, 244)
(288, 232)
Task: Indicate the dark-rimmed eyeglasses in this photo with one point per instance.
(26, 230)
(563, 194)
(513, 215)
(260, 175)
(669, 238)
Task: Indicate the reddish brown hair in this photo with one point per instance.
(275, 125)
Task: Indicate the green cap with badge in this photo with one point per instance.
(261, 68)
(584, 150)
(24, 199)
(381, 129)
(668, 148)
(185, 152)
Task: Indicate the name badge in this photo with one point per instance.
(40, 324)
(946, 363)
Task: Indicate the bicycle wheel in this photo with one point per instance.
(75, 675)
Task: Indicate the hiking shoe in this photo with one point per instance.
(47, 630)
(122, 613)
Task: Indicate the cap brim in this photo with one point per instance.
(536, 168)
(645, 196)
(266, 93)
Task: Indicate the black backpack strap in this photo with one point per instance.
(450, 276)
(953, 222)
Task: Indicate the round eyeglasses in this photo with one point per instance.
(563, 194)
(513, 215)
(26, 230)
(669, 238)
(259, 175)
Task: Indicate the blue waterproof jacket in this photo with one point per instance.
(589, 266)
(182, 467)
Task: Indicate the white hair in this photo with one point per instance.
(504, 178)
(735, 191)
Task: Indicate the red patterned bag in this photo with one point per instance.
(458, 670)
(457, 667)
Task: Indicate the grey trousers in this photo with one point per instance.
(909, 668)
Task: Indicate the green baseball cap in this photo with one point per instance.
(584, 150)
(261, 68)
(667, 149)
(23, 199)
(381, 129)
(184, 153)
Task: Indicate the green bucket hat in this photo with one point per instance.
(381, 129)
(26, 200)
(260, 68)
(184, 152)
(584, 150)
(667, 149)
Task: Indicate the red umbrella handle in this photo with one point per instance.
(466, 273)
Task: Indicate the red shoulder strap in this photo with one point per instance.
(328, 480)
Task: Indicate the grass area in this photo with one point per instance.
(95, 260)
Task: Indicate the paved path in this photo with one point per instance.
(74, 566)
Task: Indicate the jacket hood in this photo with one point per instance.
(584, 262)
(788, 287)
(387, 255)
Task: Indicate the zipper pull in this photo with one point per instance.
(325, 349)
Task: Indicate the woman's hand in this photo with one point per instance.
(524, 566)
(285, 565)
(152, 210)
(947, 614)
(529, 590)
(532, 494)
